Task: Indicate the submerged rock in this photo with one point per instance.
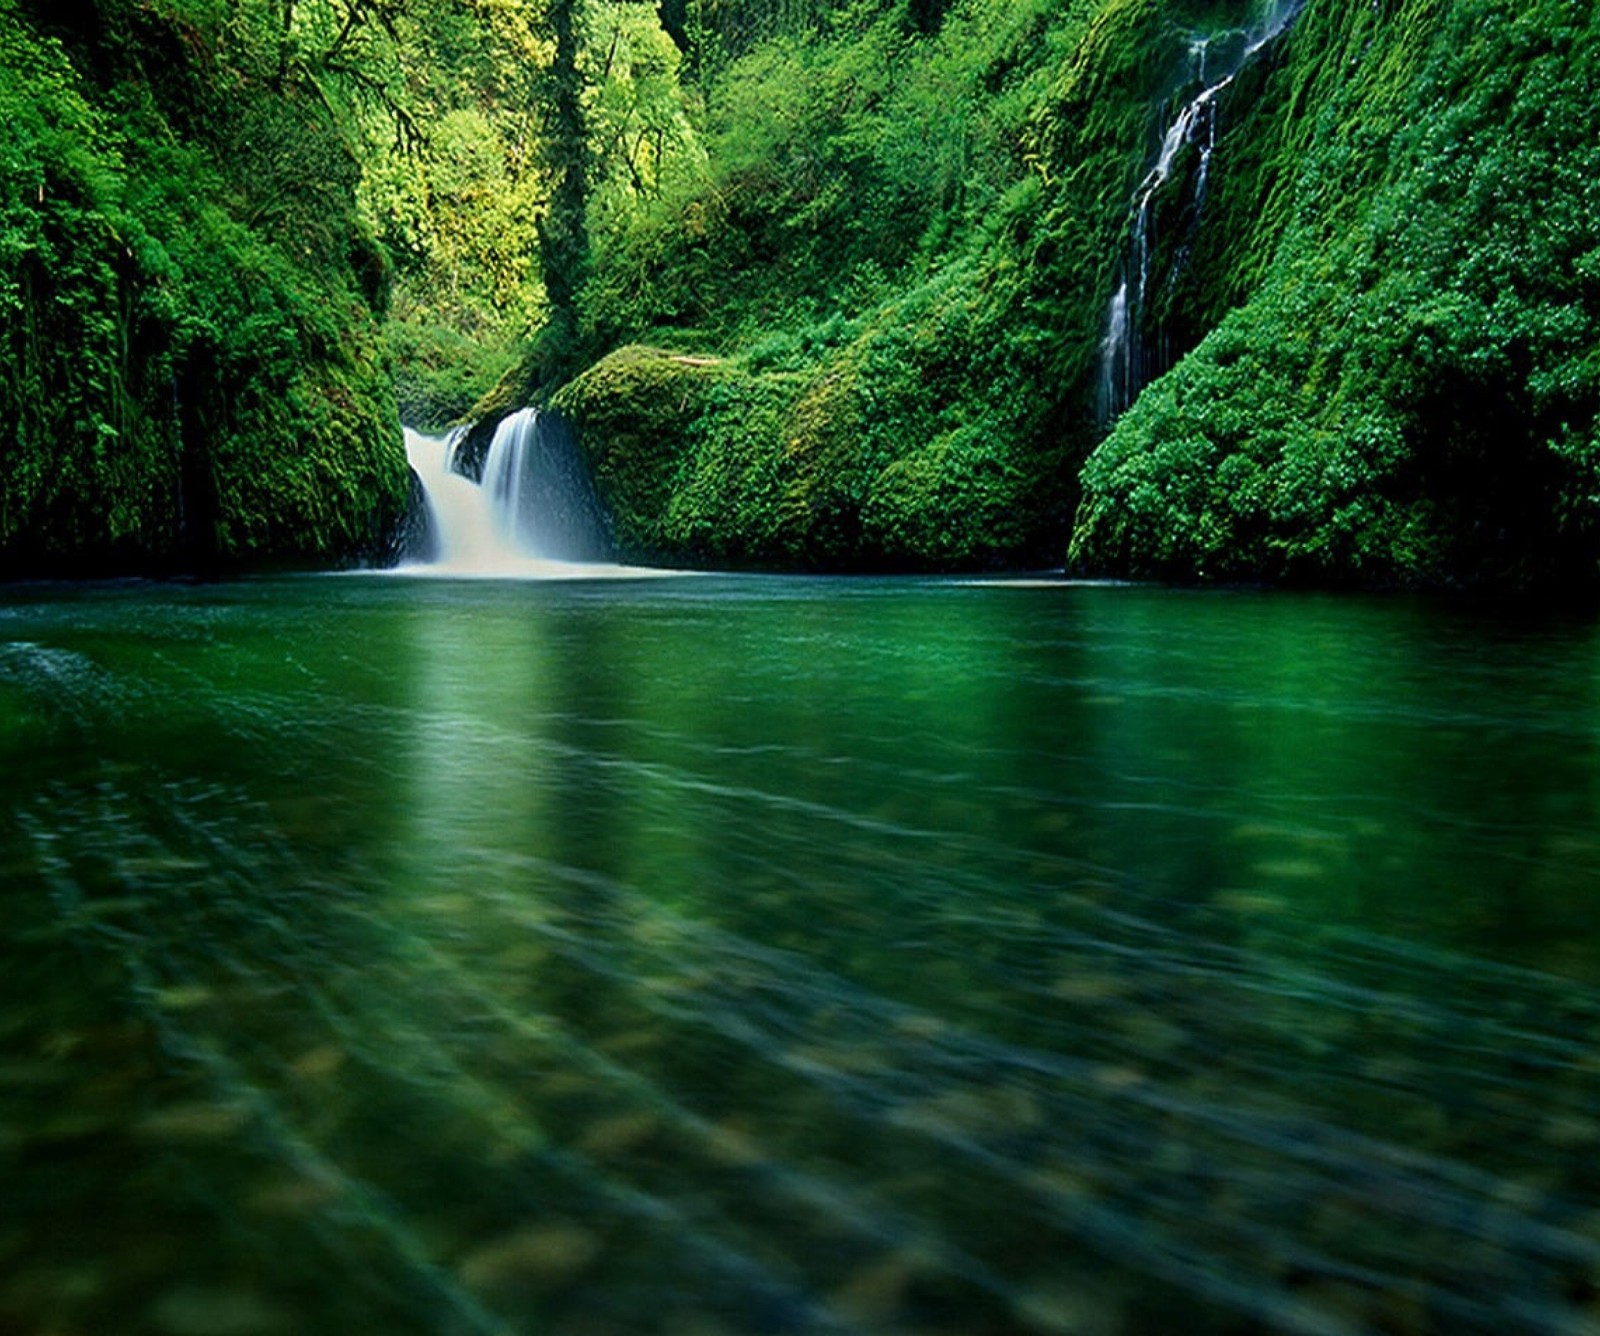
(196, 1121)
(543, 1256)
(204, 1311)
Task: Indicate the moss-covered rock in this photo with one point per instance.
(883, 456)
(636, 414)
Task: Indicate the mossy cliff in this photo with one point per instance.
(905, 338)
(1380, 320)
(190, 374)
(1408, 390)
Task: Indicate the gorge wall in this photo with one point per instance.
(1191, 289)
(190, 370)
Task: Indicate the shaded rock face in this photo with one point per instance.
(414, 537)
(472, 448)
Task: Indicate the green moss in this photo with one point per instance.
(883, 452)
(1409, 394)
(190, 373)
(635, 413)
(730, 504)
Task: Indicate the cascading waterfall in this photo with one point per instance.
(534, 508)
(1127, 360)
(504, 473)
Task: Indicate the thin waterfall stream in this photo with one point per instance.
(1129, 356)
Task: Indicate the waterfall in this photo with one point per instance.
(505, 470)
(534, 511)
(1127, 361)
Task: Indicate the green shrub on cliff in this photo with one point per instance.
(882, 449)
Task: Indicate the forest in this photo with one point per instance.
(1196, 290)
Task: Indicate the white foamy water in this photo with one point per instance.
(509, 526)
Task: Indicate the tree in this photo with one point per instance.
(564, 230)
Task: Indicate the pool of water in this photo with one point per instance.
(743, 955)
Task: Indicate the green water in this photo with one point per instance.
(713, 955)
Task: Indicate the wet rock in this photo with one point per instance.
(732, 1144)
(414, 536)
(1063, 1187)
(613, 1137)
(828, 1060)
(921, 1025)
(1568, 1131)
(542, 1256)
(874, 1294)
(696, 1324)
(292, 1196)
(197, 1121)
(75, 1125)
(566, 1082)
(1065, 1310)
(1251, 902)
(34, 1074)
(630, 1042)
(57, 1290)
(1290, 869)
(1087, 987)
(1117, 1076)
(318, 1064)
(188, 998)
(195, 1310)
(970, 1112)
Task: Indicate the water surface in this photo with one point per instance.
(743, 955)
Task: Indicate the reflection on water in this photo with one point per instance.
(745, 955)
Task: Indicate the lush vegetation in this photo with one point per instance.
(904, 276)
(1381, 326)
(1411, 390)
(820, 283)
(190, 367)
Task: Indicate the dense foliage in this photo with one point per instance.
(1412, 390)
(904, 240)
(533, 129)
(820, 283)
(190, 372)
(908, 231)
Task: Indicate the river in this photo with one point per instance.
(715, 954)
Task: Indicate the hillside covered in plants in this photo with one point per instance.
(1193, 289)
(191, 371)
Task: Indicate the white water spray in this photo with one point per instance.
(505, 470)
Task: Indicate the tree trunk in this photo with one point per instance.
(563, 233)
(283, 45)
